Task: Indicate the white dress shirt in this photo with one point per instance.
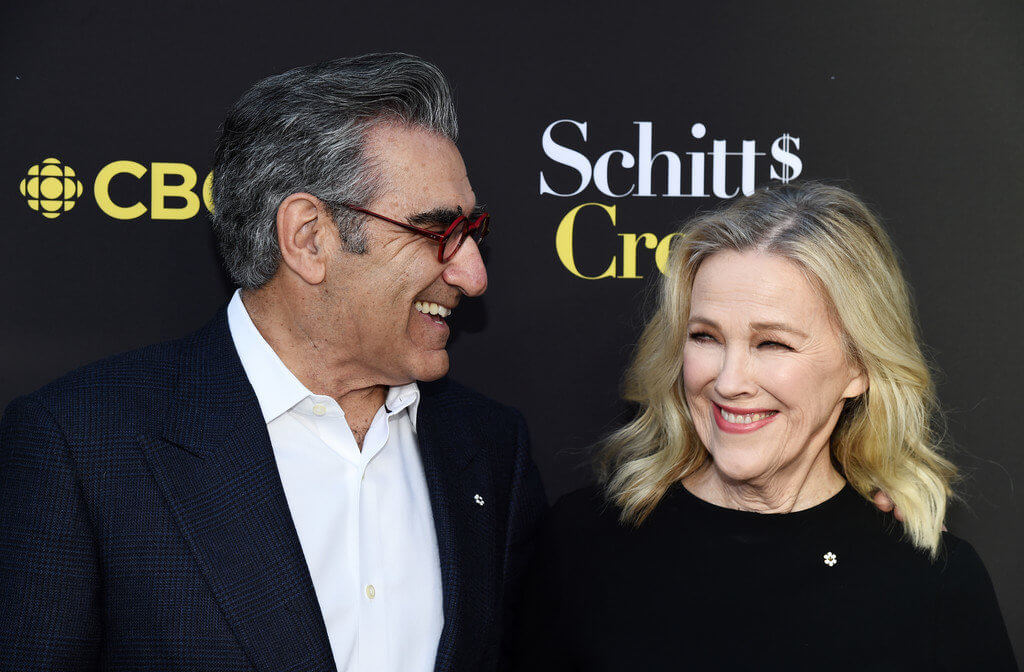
(363, 517)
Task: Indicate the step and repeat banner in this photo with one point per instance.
(590, 131)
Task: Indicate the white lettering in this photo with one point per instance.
(792, 166)
(601, 172)
(645, 162)
(566, 157)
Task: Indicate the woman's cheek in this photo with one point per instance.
(698, 369)
(784, 380)
(803, 387)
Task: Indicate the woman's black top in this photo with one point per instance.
(701, 587)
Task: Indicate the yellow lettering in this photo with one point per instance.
(160, 191)
(661, 254)
(564, 242)
(208, 192)
(629, 243)
(101, 189)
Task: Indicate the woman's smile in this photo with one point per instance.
(741, 421)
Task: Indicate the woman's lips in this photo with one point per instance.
(741, 427)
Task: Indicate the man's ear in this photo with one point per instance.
(304, 228)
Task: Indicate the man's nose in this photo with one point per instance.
(734, 377)
(466, 269)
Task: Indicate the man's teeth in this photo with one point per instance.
(745, 419)
(428, 308)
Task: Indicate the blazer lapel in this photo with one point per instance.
(432, 452)
(448, 445)
(216, 468)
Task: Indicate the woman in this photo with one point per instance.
(779, 384)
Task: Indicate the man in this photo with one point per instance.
(277, 491)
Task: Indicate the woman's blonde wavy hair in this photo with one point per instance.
(885, 439)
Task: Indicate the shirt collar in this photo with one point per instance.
(277, 389)
(403, 396)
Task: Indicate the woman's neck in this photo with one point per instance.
(793, 488)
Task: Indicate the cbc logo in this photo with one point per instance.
(51, 188)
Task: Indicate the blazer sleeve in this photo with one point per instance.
(971, 634)
(49, 572)
(527, 505)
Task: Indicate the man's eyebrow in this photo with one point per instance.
(442, 216)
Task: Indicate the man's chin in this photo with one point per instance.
(432, 366)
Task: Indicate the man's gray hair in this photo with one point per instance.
(305, 131)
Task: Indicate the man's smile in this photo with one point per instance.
(431, 308)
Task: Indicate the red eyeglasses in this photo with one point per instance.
(449, 242)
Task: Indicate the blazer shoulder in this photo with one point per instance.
(449, 394)
(134, 366)
(122, 393)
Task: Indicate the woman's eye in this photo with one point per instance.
(701, 337)
(773, 344)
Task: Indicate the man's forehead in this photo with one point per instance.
(404, 147)
(422, 171)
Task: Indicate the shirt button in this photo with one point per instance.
(370, 591)
(319, 409)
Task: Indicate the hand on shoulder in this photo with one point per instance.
(885, 504)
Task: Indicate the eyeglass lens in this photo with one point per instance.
(454, 240)
(459, 233)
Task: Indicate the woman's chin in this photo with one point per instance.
(739, 467)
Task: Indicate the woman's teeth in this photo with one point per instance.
(428, 308)
(745, 419)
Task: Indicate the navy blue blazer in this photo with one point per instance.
(143, 525)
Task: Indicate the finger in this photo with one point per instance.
(883, 502)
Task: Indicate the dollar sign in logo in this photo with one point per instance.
(792, 166)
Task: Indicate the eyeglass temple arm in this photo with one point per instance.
(424, 232)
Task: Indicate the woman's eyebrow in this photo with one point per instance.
(697, 319)
(756, 326)
(777, 326)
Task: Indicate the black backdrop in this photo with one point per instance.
(916, 106)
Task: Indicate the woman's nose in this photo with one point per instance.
(734, 377)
